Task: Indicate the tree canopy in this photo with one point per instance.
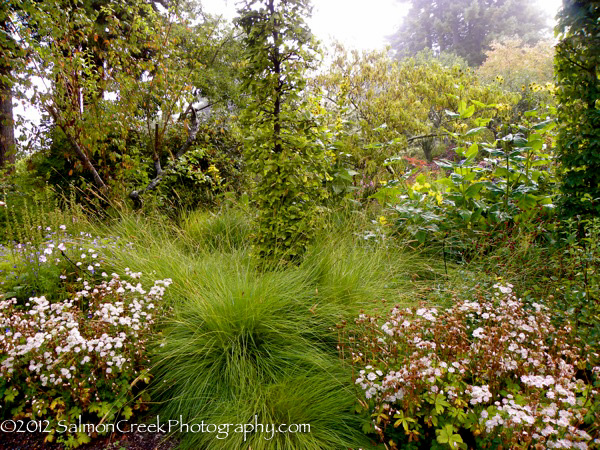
(466, 27)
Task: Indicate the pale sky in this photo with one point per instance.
(356, 23)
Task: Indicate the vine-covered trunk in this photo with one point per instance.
(278, 86)
(7, 125)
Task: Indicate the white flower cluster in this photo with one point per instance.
(551, 422)
(480, 394)
(62, 248)
(92, 335)
(495, 338)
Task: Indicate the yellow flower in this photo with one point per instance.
(382, 220)
(214, 172)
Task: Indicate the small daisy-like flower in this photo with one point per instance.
(478, 333)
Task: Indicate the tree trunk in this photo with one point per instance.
(427, 145)
(7, 127)
(7, 124)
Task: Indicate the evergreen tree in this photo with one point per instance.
(466, 27)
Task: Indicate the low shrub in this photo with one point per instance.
(82, 357)
(509, 182)
(490, 372)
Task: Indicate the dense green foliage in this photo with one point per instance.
(401, 103)
(578, 94)
(213, 226)
(286, 144)
(513, 185)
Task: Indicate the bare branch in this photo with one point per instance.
(192, 132)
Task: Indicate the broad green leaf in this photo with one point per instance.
(519, 141)
(468, 112)
(474, 189)
(472, 151)
(447, 436)
(545, 125)
(481, 121)
(474, 131)
(444, 163)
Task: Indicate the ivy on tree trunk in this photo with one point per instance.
(284, 142)
(577, 71)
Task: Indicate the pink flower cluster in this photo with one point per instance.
(493, 357)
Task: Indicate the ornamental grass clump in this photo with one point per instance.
(246, 343)
(82, 358)
(226, 231)
(491, 371)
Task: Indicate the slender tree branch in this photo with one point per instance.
(192, 132)
(424, 136)
(79, 150)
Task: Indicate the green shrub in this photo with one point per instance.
(285, 139)
(214, 166)
(490, 186)
(576, 66)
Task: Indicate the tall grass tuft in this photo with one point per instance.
(225, 231)
(244, 343)
(245, 340)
